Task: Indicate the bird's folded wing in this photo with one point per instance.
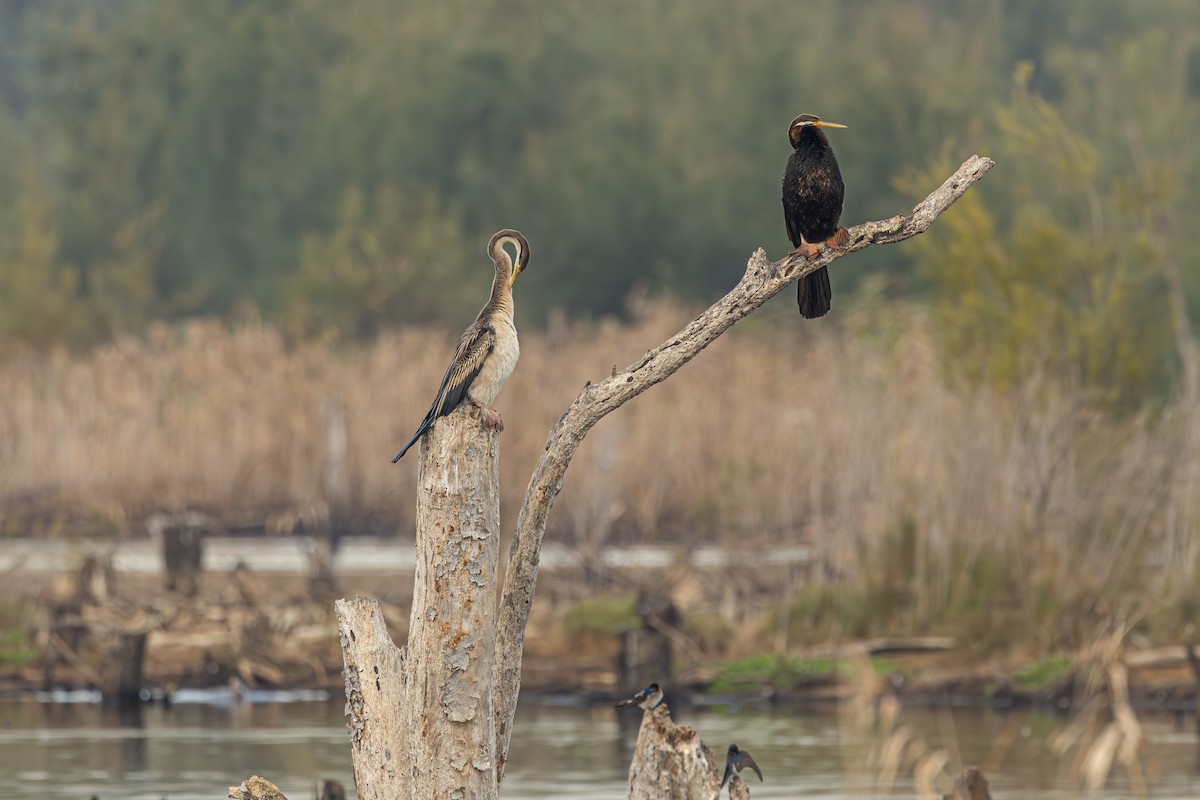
(793, 234)
(474, 346)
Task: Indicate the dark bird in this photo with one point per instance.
(737, 760)
(488, 350)
(647, 698)
(813, 192)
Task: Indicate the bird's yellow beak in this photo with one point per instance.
(516, 271)
(823, 124)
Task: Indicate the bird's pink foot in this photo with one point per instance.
(840, 238)
(491, 418)
(806, 249)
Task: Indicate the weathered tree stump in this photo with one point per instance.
(738, 790)
(121, 655)
(322, 582)
(182, 538)
(423, 719)
(971, 785)
(646, 656)
(332, 790)
(256, 787)
(670, 762)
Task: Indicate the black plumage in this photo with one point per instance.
(813, 192)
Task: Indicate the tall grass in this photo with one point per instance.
(932, 502)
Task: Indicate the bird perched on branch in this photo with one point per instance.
(737, 760)
(488, 350)
(813, 192)
(646, 699)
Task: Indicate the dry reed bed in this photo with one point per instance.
(780, 432)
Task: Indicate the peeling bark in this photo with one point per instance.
(376, 679)
(421, 718)
(452, 628)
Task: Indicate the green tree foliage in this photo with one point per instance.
(351, 282)
(342, 165)
(1058, 272)
(38, 296)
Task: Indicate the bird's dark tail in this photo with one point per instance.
(424, 427)
(813, 294)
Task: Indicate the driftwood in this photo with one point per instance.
(446, 682)
(670, 761)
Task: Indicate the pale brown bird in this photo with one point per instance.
(488, 350)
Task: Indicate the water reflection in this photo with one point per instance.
(195, 750)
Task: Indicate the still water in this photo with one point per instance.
(194, 750)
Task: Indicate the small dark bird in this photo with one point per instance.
(813, 192)
(737, 760)
(488, 350)
(646, 699)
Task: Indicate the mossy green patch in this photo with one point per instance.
(1044, 672)
(602, 615)
(15, 648)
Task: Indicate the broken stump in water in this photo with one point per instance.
(182, 538)
(332, 790)
(970, 785)
(670, 761)
(256, 787)
(119, 665)
(646, 654)
(738, 790)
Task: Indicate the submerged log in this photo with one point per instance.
(670, 762)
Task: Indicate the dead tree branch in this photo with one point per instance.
(762, 280)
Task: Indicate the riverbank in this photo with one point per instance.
(258, 621)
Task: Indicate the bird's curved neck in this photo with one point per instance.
(502, 298)
(812, 139)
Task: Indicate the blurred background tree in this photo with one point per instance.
(340, 167)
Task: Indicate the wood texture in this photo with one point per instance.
(452, 628)
(670, 762)
(376, 678)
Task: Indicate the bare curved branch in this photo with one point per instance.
(762, 281)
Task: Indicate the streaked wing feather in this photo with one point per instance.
(476, 343)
